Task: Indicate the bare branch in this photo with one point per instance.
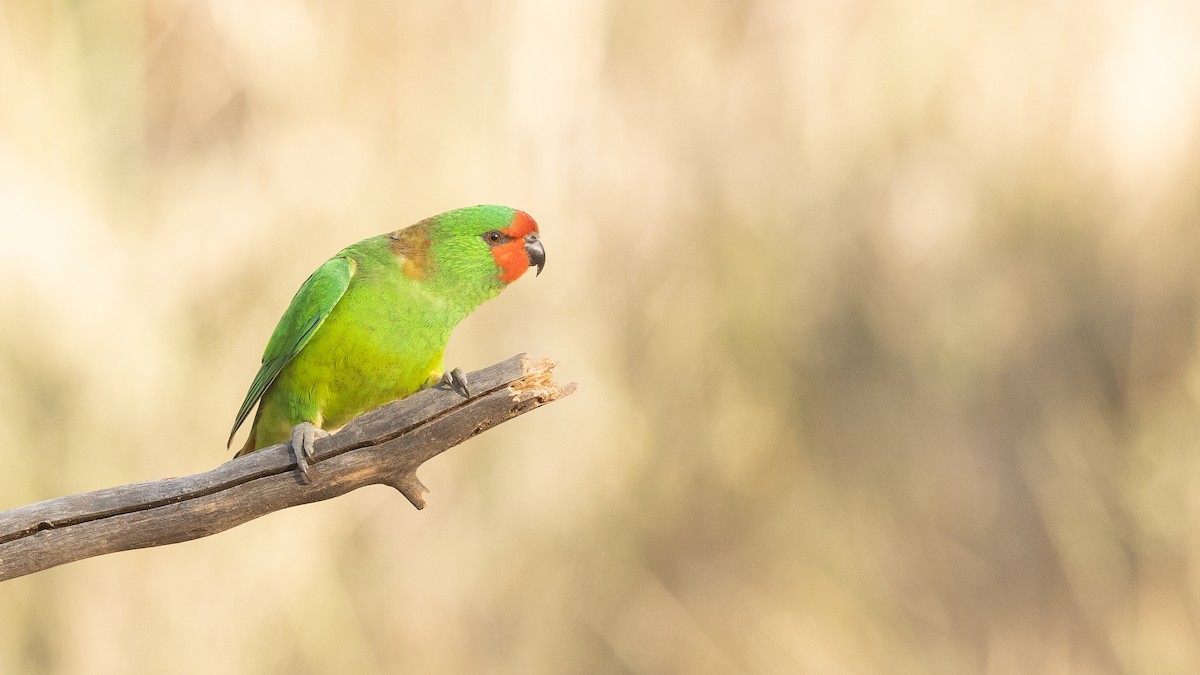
(383, 446)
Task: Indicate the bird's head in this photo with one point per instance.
(479, 248)
(516, 247)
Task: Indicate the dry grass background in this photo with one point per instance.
(884, 313)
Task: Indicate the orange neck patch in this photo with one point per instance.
(511, 257)
(412, 244)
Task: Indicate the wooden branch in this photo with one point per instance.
(385, 446)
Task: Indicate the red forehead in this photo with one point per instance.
(521, 225)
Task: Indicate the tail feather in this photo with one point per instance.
(249, 446)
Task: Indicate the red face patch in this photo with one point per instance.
(510, 256)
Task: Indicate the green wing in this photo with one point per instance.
(312, 304)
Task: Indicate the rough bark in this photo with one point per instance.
(382, 446)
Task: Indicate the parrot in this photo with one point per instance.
(371, 324)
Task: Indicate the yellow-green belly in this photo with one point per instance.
(356, 361)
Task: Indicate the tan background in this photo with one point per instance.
(884, 315)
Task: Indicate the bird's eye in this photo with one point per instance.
(493, 237)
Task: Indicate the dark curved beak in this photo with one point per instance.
(533, 248)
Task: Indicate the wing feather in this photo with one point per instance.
(316, 298)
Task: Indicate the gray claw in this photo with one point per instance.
(304, 436)
(456, 381)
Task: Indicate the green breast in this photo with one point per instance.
(384, 340)
(366, 354)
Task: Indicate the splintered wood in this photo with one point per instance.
(539, 382)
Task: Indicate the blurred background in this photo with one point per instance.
(884, 316)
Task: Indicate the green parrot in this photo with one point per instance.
(371, 325)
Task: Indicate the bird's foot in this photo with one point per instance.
(456, 381)
(304, 436)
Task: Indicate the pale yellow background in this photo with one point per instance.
(884, 314)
